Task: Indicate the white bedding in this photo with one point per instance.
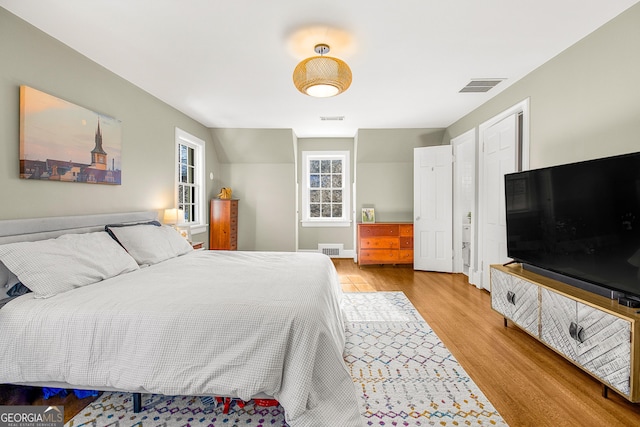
(206, 323)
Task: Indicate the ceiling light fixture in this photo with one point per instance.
(322, 76)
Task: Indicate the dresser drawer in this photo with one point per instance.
(379, 243)
(406, 242)
(405, 256)
(378, 256)
(378, 230)
(406, 230)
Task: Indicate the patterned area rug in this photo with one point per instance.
(406, 375)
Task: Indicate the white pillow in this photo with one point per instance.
(49, 267)
(150, 244)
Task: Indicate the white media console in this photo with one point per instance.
(593, 332)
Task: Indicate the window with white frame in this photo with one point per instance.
(326, 189)
(190, 180)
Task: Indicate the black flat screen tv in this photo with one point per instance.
(580, 221)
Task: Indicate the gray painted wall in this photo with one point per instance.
(584, 103)
(384, 175)
(258, 165)
(30, 57)
(266, 206)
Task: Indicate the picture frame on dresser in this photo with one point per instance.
(185, 231)
(368, 216)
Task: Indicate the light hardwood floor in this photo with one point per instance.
(528, 383)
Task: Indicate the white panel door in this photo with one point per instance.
(433, 208)
(464, 200)
(499, 158)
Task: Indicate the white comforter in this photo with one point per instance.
(207, 323)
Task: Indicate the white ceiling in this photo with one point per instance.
(229, 63)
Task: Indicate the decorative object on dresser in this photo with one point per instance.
(593, 332)
(368, 215)
(185, 231)
(223, 224)
(385, 243)
(225, 193)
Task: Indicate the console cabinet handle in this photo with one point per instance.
(511, 297)
(576, 332)
(573, 330)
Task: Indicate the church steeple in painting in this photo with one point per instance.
(52, 129)
(98, 155)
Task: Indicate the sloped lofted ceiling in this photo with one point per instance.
(228, 64)
(254, 145)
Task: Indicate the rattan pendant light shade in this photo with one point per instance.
(322, 76)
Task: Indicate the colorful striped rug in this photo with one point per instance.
(407, 377)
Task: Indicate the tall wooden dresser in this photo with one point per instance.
(223, 224)
(385, 243)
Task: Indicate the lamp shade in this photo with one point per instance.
(173, 216)
(322, 76)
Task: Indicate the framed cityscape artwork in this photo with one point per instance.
(61, 141)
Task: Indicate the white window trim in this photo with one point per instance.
(198, 145)
(345, 221)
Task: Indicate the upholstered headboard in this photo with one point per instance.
(32, 229)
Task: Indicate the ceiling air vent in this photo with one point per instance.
(480, 85)
(332, 118)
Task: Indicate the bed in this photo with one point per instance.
(173, 321)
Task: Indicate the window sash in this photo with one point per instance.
(188, 202)
(326, 188)
(190, 179)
